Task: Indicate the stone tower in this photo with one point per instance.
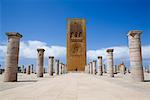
(76, 44)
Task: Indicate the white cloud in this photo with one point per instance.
(2, 51)
(146, 52)
(120, 52)
(28, 49)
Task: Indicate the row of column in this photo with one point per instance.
(60, 68)
(12, 58)
(137, 73)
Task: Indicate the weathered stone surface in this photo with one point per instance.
(115, 69)
(40, 62)
(32, 68)
(76, 44)
(134, 38)
(110, 62)
(51, 65)
(91, 68)
(28, 69)
(60, 68)
(104, 68)
(94, 67)
(122, 68)
(57, 67)
(12, 56)
(22, 69)
(100, 65)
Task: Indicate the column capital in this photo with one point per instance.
(40, 49)
(56, 60)
(134, 33)
(109, 50)
(16, 34)
(99, 57)
(94, 60)
(51, 57)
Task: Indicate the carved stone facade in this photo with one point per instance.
(76, 44)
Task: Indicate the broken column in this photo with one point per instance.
(104, 68)
(122, 68)
(40, 62)
(51, 65)
(28, 69)
(57, 67)
(60, 68)
(100, 65)
(110, 62)
(22, 69)
(65, 68)
(94, 67)
(12, 56)
(135, 55)
(91, 68)
(115, 69)
(32, 68)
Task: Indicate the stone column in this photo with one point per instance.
(91, 68)
(22, 69)
(40, 62)
(136, 55)
(12, 57)
(51, 65)
(64, 68)
(57, 67)
(32, 68)
(28, 69)
(0, 70)
(94, 67)
(100, 65)
(110, 62)
(104, 68)
(122, 70)
(115, 69)
(60, 68)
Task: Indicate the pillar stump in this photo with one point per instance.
(51, 65)
(22, 69)
(91, 68)
(94, 67)
(57, 67)
(100, 65)
(40, 62)
(110, 62)
(28, 69)
(135, 55)
(60, 68)
(12, 57)
(32, 68)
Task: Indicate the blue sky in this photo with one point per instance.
(107, 21)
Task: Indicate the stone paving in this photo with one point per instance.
(73, 86)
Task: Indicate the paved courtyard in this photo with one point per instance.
(73, 86)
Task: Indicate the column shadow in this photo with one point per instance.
(146, 80)
(27, 81)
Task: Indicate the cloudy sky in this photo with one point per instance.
(43, 24)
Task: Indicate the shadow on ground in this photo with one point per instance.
(146, 80)
(27, 81)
